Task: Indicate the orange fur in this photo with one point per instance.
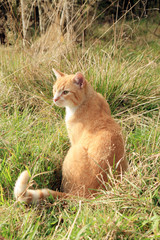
(96, 141)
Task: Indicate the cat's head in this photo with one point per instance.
(69, 90)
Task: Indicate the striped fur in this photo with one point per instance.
(23, 194)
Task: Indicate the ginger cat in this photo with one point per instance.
(96, 142)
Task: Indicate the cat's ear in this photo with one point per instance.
(79, 79)
(57, 73)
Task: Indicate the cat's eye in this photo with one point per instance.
(65, 92)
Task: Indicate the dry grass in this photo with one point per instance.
(33, 136)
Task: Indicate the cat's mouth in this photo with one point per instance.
(58, 102)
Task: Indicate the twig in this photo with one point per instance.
(59, 221)
(71, 229)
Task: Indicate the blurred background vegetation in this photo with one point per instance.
(27, 20)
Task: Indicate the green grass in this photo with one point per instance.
(33, 136)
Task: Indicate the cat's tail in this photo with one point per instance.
(22, 192)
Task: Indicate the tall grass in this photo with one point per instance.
(33, 136)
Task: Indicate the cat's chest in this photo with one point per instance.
(70, 113)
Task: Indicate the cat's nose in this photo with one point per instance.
(56, 99)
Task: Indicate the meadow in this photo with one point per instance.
(122, 63)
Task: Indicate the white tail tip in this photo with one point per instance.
(21, 184)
